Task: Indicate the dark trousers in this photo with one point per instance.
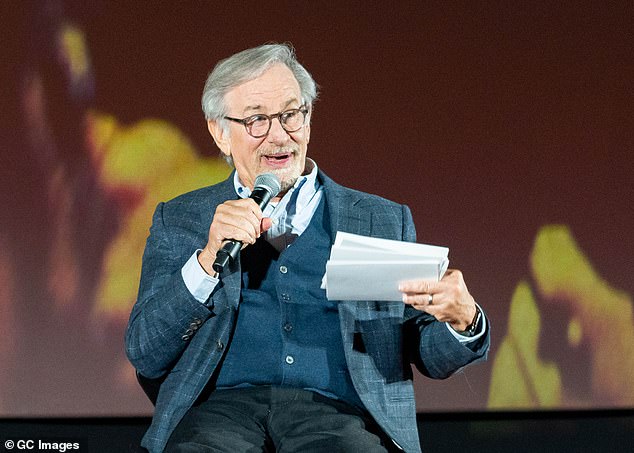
(271, 419)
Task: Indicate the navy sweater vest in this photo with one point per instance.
(287, 332)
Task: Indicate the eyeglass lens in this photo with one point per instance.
(291, 121)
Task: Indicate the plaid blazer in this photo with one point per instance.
(177, 340)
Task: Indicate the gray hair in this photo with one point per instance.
(245, 66)
(248, 65)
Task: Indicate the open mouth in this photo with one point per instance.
(277, 159)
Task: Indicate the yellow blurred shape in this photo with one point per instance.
(563, 274)
(73, 46)
(148, 162)
(519, 379)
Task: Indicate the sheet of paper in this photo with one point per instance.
(371, 280)
(365, 268)
(363, 254)
(409, 248)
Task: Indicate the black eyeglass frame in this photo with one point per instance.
(280, 115)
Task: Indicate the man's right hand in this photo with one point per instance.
(239, 220)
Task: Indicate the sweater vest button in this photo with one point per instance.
(288, 327)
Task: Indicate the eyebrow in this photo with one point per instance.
(257, 107)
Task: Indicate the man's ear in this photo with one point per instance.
(307, 127)
(220, 136)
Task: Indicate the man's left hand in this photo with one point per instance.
(448, 300)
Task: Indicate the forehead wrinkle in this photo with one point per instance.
(259, 107)
(271, 92)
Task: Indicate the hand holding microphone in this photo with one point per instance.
(240, 220)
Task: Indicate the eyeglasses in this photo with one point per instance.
(259, 125)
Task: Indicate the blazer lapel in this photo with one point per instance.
(345, 209)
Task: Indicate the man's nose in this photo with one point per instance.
(277, 134)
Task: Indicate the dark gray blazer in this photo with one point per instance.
(173, 337)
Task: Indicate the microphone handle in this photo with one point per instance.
(228, 252)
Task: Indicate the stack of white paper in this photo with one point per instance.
(365, 268)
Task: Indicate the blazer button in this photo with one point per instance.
(220, 345)
(185, 337)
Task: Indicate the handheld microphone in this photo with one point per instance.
(266, 187)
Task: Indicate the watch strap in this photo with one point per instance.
(474, 326)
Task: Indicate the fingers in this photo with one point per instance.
(422, 299)
(435, 304)
(449, 288)
(418, 286)
(420, 294)
(238, 220)
(419, 304)
(452, 277)
(448, 300)
(265, 224)
(432, 303)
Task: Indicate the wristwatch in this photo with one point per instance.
(474, 326)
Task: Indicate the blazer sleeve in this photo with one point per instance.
(165, 315)
(431, 347)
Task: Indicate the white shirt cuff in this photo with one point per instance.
(199, 283)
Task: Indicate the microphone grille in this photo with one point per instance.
(269, 182)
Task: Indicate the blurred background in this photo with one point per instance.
(507, 128)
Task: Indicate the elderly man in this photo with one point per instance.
(256, 358)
